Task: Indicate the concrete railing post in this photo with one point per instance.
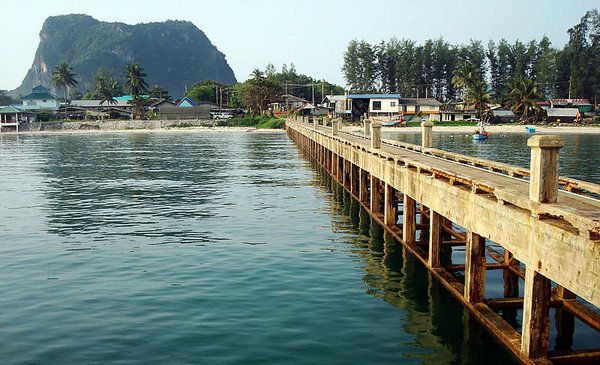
(334, 127)
(315, 122)
(427, 134)
(543, 183)
(367, 126)
(375, 135)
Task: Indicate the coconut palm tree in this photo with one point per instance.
(63, 78)
(257, 74)
(107, 89)
(464, 76)
(523, 97)
(478, 97)
(134, 79)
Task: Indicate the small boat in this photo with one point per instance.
(480, 133)
(530, 129)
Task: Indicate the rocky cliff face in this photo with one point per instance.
(173, 53)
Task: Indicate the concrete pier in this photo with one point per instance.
(433, 202)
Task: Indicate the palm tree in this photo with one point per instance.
(134, 79)
(478, 97)
(63, 78)
(257, 74)
(107, 89)
(464, 76)
(523, 97)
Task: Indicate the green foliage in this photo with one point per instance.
(45, 115)
(256, 121)
(5, 99)
(402, 66)
(134, 79)
(63, 78)
(172, 52)
(523, 98)
(75, 94)
(159, 93)
(202, 93)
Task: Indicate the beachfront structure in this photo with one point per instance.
(40, 99)
(374, 105)
(99, 109)
(422, 109)
(340, 105)
(288, 102)
(11, 116)
(186, 102)
(309, 109)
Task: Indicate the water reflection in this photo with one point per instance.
(124, 185)
(442, 328)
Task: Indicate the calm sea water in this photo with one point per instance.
(206, 248)
(577, 159)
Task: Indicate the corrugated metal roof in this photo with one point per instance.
(420, 101)
(373, 96)
(570, 101)
(98, 103)
(336, 97)
(562, 112)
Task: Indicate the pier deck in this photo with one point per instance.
(421, 195)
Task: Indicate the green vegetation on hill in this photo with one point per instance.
(173, 53)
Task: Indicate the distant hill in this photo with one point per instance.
(173, 53)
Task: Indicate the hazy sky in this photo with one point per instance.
(311, 34)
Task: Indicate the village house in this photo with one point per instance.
(339, 105)
(421, 109)
(40, 99)
(288, 102)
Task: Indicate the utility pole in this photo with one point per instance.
(313, 94)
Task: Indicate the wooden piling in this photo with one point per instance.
(475, 268)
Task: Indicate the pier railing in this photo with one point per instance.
(550, 238)
(565, 183)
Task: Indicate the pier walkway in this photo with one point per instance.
(542, 230)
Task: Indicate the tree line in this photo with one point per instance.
(402, 66)
(263, 88)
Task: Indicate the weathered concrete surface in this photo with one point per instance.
(559, 240)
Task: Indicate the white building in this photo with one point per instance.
(40, 99)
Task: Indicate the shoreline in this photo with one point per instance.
(494, 129)
(151, 130)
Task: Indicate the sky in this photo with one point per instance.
(312, 35)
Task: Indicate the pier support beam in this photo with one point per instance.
(475, 268)
(436, 229)
(376, 195)
(409, 220)
(375, 135)
(354, 179)
(543, 187)
(427, 134)
(389, 215)
(363, 193)
(536, 321)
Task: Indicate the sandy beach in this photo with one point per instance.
(154, 130)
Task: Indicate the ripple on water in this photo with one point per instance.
(211, 248)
